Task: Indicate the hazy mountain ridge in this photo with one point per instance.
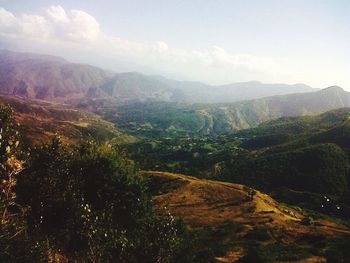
(257, 111)
(51, 78)
(167, 117)
(45, 77)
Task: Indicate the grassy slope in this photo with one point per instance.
(235, 221)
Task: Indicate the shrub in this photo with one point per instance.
(91, 204)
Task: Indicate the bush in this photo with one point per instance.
(15, 244)
(91, 204)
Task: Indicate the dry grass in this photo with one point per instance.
(203, 203)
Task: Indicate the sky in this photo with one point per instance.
(212, 41)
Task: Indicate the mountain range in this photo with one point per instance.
(143, 104)
(280, 155)
(202, 119)
(52, 78)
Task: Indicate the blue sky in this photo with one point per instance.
(211, 41)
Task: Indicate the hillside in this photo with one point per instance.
(298, 160)
(240, 216)
(54, 79)
(40, 121)
(164, 118)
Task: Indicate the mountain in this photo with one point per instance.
(236, 222)
(196, 92)
(156, 118)
(55, 79)
(45, 77)
(248, 114)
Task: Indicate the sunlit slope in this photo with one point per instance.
(40, 121)
(243, 215)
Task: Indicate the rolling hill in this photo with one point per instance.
(298, 160)
(238, 223)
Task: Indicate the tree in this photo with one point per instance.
(89, 203)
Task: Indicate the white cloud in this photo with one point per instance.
(35, 26)
(80, 32)
(82, 26)
(161, 47)
(58, 15)
(6, 18)
(56, 25)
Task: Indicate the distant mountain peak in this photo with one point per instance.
(21, 56)
(334, 88)
(36, 76)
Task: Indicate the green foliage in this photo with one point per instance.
(320, 169)
(299, 158)
(153, 119)
(90, 204)
(189, 155)
(265, 141)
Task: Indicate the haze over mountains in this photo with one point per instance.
(192, 128)
(174, 131)
(140, 103)
(204, 119)
(55, 79)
